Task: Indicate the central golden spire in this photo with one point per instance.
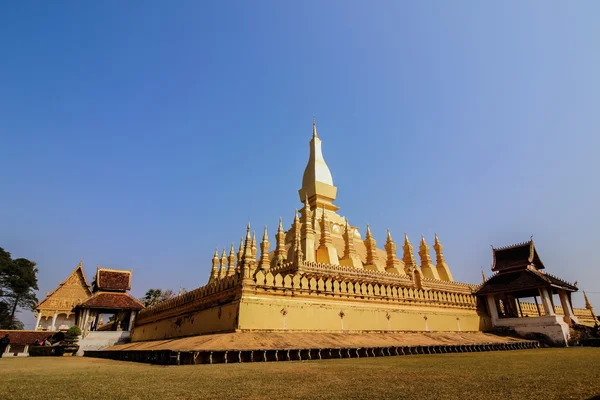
(317, 183)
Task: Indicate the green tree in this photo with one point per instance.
(18, 283)
(154, 296)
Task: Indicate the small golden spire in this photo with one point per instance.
(441, 266)
(392, 264)
(223, 265)
(429, 270)
(240, 254)
(264, 251)
(314, 127)
(214, 272)
(588, 305)
(248, 254)
(410, 264)
(483, 276)
(279, 256)
(231, 261)
(325, 233)
(254, 249)
(351, 258)
(371, 246)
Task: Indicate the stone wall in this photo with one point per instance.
(299, 302)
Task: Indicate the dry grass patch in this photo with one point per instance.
(526, 374)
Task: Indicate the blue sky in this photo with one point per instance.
(141, 135)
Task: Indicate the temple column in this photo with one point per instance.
(53, 328)
(131, 320)
(546, 302)
(566, 304)
(492, 307)
(37, 322)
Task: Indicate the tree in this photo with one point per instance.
(18, 283)
(154, 296)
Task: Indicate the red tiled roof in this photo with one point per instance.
(112, 300)
(113, 280)
(26, 337)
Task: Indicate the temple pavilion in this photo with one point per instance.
(56, 312)
(109, 297)
(519, 274)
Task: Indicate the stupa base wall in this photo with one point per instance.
(216, 319)
(329, 314)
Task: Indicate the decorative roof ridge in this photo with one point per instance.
(512, 246)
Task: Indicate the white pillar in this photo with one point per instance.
(492, 307)
(37, 323)
(548, 309)
(54, 322)
(566, 304)
(131, 320)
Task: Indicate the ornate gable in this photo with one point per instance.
(72, 291)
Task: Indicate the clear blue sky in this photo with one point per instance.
(143, 134)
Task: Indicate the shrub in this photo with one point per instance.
(74, 331)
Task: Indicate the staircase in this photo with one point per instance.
(99, 340)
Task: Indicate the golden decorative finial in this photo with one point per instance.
(231, 261)
(427, 267)
(441, 266)
(314, 127)
(240, 255)
(350, 258)
(254, 249)
(264, 251)
(214, 272)
(306, 204)
(410, 263)
(371, 246)
(279, 255)
(392, 264)
(588, 305)
(223, 265)
(483, 276)
(326, 253)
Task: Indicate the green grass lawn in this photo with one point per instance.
(546, 374)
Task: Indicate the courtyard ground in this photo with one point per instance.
(571, 373)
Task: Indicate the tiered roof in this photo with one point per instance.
(518, 270)
(110, 291)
